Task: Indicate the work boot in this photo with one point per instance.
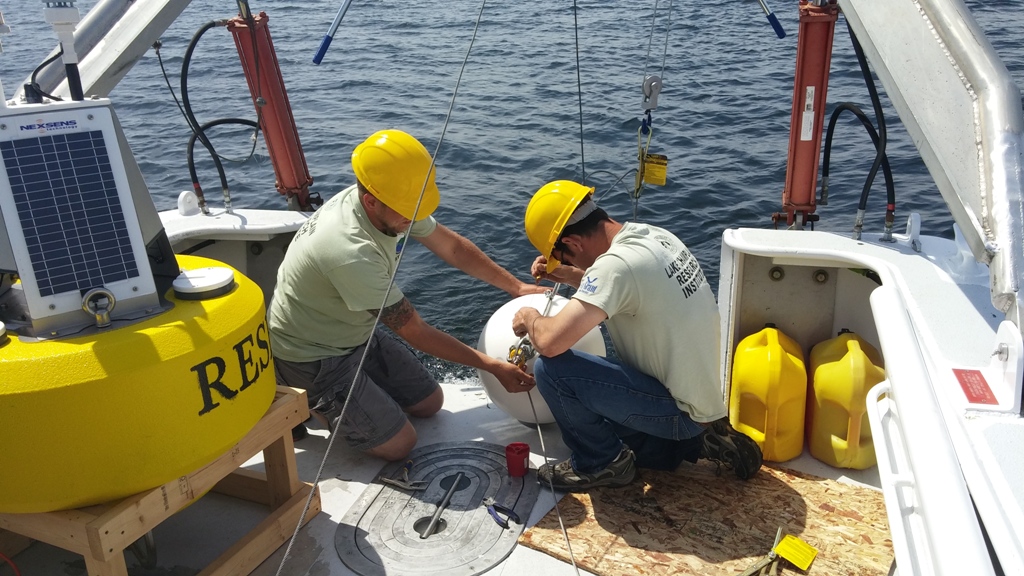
(620, 472)
(722, 444)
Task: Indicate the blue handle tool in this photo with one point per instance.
(326, 42)
(772, 19)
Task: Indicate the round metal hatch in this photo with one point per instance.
(383, 531)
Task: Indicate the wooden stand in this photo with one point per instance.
(102, 533)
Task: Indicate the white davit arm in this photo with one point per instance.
(111, 38)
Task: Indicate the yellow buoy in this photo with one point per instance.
(843, 369)
(91, 419)
(768, 393)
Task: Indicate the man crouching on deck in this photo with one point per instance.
(661, 402)
(331, 287)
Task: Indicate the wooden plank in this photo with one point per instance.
(263, 540)
(692, 522)
(132, 517)
(245, 484)
(102, 533)
(65, 528)
(282, 471)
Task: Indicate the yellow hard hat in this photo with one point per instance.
(393, 165)
(549, 211)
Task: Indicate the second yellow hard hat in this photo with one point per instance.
(548, 212)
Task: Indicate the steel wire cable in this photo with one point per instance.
(387, 294)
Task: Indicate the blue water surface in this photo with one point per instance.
(722, 120)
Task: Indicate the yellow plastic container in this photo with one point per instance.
(768, 394)
(843, 369)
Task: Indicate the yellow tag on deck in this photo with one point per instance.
(655, 169)
(798, 552)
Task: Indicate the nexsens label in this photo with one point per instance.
(50, 126)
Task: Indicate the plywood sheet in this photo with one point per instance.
(693, 521)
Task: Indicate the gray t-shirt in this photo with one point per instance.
(337, 268)
(662, 315)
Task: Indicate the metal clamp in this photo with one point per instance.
(521, 352)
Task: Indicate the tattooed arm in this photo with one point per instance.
(403, 320)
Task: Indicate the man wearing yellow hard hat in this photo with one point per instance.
(661, 401)
(333, 283)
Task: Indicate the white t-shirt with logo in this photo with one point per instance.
(662, 315)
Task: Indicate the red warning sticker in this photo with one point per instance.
(975, 387)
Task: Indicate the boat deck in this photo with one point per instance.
(192, 539)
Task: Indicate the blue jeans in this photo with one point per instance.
(599, 403)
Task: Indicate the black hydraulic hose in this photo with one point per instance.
(197, 130)
(202, 130)
(879, 116)
(33, 93)
(866, 122)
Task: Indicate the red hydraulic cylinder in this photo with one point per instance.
(810, 86)
(272, 108)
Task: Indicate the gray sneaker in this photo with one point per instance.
(620, 472)
(723, 444)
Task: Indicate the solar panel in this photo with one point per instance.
(69, 213)
(67, 202)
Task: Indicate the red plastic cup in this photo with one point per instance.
(517, 458)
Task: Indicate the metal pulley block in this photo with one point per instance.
(651, 88)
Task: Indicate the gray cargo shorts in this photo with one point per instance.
(392, 379)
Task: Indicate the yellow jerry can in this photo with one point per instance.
(768, 394)
(843, 369)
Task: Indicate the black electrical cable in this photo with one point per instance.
(34, 84)
(879, 117)
(203, 128)
(866, 122)
(877, 138)
(156, 48)
(167, 80)
(190, 117)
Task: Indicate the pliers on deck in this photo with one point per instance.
(502, 515)
(769, 565)
(405, 483)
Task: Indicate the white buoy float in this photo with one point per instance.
(497, 337)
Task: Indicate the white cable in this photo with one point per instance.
(543, 449)
(551, 485)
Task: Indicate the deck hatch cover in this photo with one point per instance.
(380, 534)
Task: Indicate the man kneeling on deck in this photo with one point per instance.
(661, 402)
(331, 288)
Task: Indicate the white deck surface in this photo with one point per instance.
(190, 540)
